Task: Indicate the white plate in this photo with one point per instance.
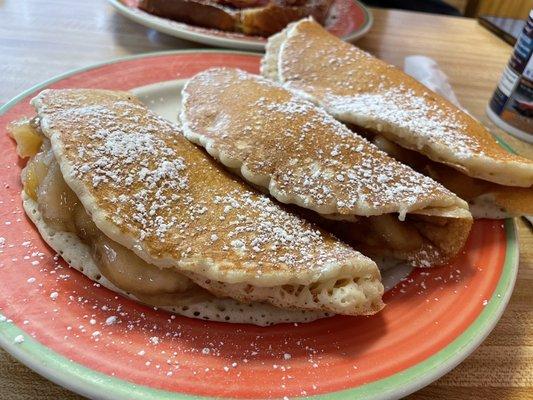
(347, 18)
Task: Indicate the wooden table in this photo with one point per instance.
(41, 39)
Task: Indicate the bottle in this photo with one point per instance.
(511, 106)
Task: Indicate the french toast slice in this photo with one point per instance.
(205, 13)
(276, 15)
(251, 17)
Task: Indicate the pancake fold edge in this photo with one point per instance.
(285, 144)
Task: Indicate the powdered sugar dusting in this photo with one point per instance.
(264, 233)
(402, 108)
(311, 158)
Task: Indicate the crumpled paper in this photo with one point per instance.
(426, 71)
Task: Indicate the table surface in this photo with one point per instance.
(41, 39)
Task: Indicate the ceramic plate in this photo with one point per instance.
(104, 346)
(348, 19)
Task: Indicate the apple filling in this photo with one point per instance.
(420, 240)
(61, 210)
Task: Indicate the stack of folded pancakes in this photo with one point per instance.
(289, 213)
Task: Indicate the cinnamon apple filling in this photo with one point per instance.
(61, 210)
(421, 240)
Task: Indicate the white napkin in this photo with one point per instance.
(427, 71)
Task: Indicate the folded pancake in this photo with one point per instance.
(157, 218)
(302, 155)
(359, 89)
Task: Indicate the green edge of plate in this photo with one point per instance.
(88, 382)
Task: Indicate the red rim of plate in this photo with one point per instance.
(432, 321)
(353, 21)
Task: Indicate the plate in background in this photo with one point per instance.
(348, 19)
